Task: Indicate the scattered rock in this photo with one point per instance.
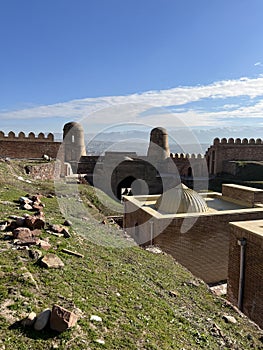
(70, 252)
(35, 254)
(56, 228)
(66, 234)
(21, 233)
(44, 244)
(22, 247)
(27, 241)
(3, 226)
(42, 320)
(26, 206)
(193, 283)
(100, 341)
(20, 221)
(29, 320)
(229, 319)
(55, 234)
(36, 198)
(27, 276)
(155, 250)
(35, 222)
(25, 200)
(173, 293)
(52, 261)
(61, 319)
(38, 207)
(220, 289)
(67, 223)
(13, 217)
(95, 318)
(36, 233)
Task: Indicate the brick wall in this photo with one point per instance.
(203, 249)
(253, 282)
(227, 150)
(189, 164)
(23, 147)
(27, 150)
(240, 193)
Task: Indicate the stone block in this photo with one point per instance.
(61, 319)
(52, 261)
(22, 232)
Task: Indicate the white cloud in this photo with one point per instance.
(258, 64)
(230, 106)
(118, 109)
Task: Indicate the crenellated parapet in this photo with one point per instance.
(225, 150)
(30, 146)
(11, 136)
(186, 156)
(237, 141)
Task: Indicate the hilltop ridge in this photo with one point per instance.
(145, 300)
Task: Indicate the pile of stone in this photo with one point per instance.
(26, 232)
(27, 229)
(31, 203)
(58, 319)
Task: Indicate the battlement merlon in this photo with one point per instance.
(237, 141)
(186, 156)
(11, 136)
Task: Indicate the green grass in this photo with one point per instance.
(128, 287)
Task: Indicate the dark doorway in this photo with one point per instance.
(125, 187)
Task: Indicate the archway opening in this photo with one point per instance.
(124, 187)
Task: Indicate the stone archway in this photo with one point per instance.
(124, 187)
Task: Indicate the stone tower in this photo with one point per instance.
(74, 144)
(159, 147)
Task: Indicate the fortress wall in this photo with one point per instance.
(226, 150)
(22, 137)
(184, 162)
(20, 146)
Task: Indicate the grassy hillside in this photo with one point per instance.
(145, 300)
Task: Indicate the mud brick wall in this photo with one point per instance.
(253, 281)
(226, 150)
(189, 164)
(22, 147)
(28, 150)
(242, 193)
(203, 249)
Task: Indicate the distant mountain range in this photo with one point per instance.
(195, 140)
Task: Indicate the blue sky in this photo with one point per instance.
(104, 62)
